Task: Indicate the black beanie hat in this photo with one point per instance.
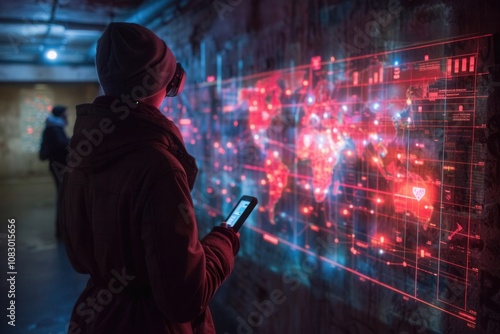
(58, 110)
(131, 59)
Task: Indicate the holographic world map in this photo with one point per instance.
(376, 156)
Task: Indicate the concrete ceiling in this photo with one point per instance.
(29, 28)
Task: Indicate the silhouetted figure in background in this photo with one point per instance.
(127, 215)
(54, 147)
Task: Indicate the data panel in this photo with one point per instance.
(378, 157)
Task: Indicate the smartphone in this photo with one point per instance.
(241, 211)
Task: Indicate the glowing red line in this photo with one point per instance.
(361, 244)
(315, 228)
(467, 316)
(460, 315)
(307, 66)
(271, 239)
(409, 48)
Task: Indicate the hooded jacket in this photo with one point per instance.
(54, 140)
(128, 221)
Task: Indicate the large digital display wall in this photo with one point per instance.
(372, 164)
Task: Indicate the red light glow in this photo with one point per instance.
(270, 239)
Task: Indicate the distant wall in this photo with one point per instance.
(23, 109)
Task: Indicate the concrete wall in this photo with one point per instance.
(23, 109)
(249, 36)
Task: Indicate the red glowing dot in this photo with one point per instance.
(288, 92)
(29, 130)
(305, 210)
(328, 224)
(263, 182)
(228, 200)
(229, 145)
(224, 191)
(210, 190)
(243, 177)
(216, 144)
(262, 90)
(235, 123)
(305, 82)
(345, 212)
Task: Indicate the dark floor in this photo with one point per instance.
(46, 286)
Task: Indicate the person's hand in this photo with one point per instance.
(224, 224)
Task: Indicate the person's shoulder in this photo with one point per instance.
(162, 159)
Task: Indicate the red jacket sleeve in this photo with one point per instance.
(184, 272)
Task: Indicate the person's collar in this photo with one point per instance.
(55, 121)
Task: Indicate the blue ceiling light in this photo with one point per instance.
(51, 54)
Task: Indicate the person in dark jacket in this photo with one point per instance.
(54, 148)
(127, 215)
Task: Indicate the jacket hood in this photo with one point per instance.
(110, 128)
